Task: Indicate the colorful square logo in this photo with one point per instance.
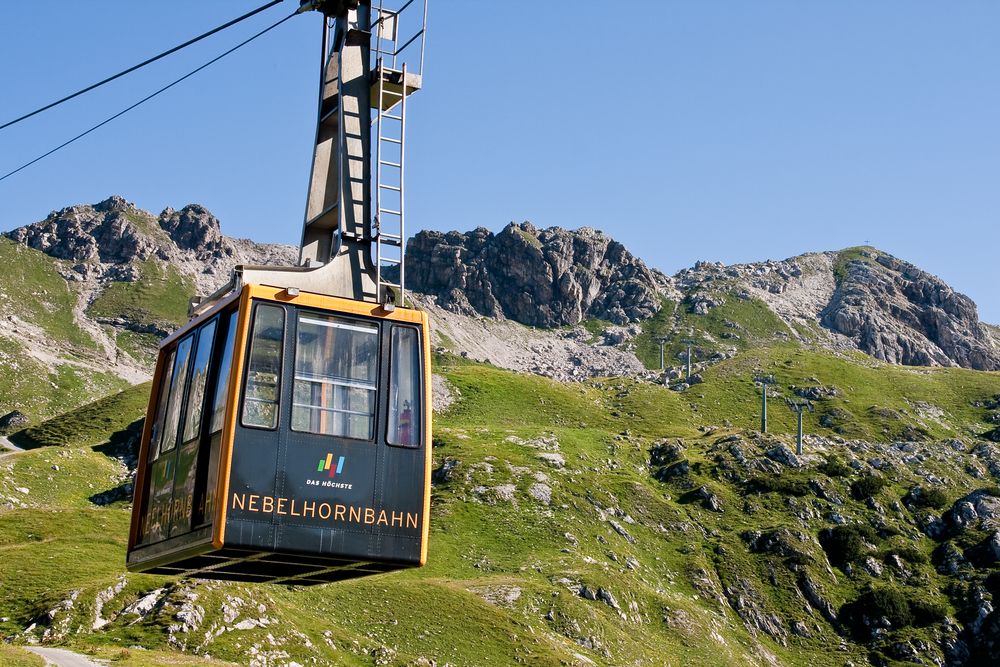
(327, 464)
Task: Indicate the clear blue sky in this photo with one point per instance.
(725, 130)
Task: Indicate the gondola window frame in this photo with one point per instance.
(393, 417)
(195, 408)
(338, 320)
(254, 337)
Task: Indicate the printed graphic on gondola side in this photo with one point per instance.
(334, 470)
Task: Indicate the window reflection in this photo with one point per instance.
(336, 367)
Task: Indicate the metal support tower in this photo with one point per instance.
(371, 61)
(799, 407)
(764, 381)
(689, 342)
(661, 341)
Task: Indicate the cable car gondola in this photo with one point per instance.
(288, 432)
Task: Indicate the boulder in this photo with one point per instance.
(13, 421)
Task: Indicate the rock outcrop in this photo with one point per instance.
(861, 298)
(903, 315)
(109, 232)
(195, 228)
(105, 241)
(548, 278)
(128, 272)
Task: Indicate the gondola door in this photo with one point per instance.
(304, 457)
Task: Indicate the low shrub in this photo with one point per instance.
(846, 544)
(834, 467)
(927, 612)
(932, 497)
(910, 554)
(867, 486)
(788, 486)
(874, 604)
(900, 609)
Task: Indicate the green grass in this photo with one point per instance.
(497, 588)
(34, 292)
(595, 327)
(90, 424)
(730, 396)
(756, 325)
(529, 238)
(159, 296)
(14, 656)
(140, 346)
(31, 387)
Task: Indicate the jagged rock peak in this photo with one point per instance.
(113, 231)
(192, 228)
(115, 203)
(116, 231)
(901, 314)
(550, 277)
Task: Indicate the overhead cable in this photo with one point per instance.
(149, 97)
(142, 64)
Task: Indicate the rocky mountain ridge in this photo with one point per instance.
(106, 241)
(858, 298)
(483, 285)
(546, 278)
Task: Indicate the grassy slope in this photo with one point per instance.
(866, 389)
(159, 296)
(711, 332)
(12, 656)
(29, 386)
(35, 292)
(90, 424)
(55, 541)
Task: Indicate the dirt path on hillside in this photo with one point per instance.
(61, 657)
(8, 447)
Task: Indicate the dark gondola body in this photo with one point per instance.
(287, 440)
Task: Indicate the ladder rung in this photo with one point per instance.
(390, 116)
(390, 164)
(393, 237)
(391, 140)
(390, 260)
(389, 211)
(392, 242)
(390, 187)
(386, 283)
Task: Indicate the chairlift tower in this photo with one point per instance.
(689, 342)
(764, 381)
(661, 340)
(799, 406)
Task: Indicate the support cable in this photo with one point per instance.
(149, 97)
(142, 64)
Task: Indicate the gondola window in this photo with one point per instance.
(199, 379)
(336, 367)
(170, 424)
(404, 388)
(260, 404)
